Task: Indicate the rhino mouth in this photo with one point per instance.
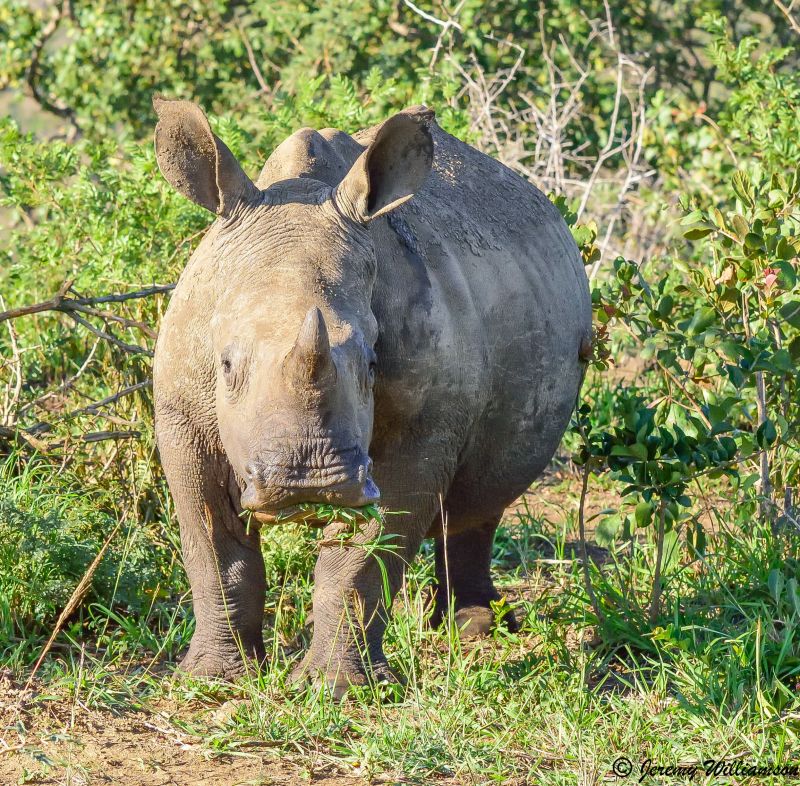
(308, 511)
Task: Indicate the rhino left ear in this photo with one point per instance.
(391, 169)
(196, 162)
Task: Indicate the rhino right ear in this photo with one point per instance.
(195, 162)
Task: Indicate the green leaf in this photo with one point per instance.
(766, 434)
(607, 530)
(775, 582)
(794, 595)
(692, 218)
(584, 235)
(743, 188)
(753, 241)
(740, 225)
(702, 319)
(790, 312)
(671, 553)
(695, 233)
(785, 250)
(788, 276)
(643, 514)
(665, 306)
(637, 451)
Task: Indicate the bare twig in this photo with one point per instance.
(655, 601)
(32, 86)
(27, 440)
(445, 23)
(447, 26)
(61, 303)
(787, 12)
(65, 385)
(156, 289)
(765, 487)
(587, 578)
(46, 305)
(74, 307)
(133, 349)
(533, 132)
(637, 119)
(12, 393)
(102, 436)
(92, 409)
(33, 443)
(251, 57)
(73, 602)
(124, 321)
(608, 149)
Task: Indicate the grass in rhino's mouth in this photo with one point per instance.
(317, 514)
(328, 514)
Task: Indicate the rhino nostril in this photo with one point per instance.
(364, 470)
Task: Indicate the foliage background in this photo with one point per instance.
(667, 135)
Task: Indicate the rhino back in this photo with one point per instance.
(483, 304)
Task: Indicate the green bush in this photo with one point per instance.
(51, 529)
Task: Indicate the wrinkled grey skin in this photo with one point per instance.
(333, 337)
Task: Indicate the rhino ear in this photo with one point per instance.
(195, 162)
(390, 170)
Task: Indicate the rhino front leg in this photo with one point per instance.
(352, 583)
(222, 558)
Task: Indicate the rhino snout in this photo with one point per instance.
(271, 488)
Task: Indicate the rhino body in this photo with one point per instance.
(333, 337)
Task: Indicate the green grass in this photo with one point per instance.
(555, 703)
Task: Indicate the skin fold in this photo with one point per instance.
(391, 318)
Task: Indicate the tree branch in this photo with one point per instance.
(74, 307)
(787, 12)
(32, 74)
(61, 303)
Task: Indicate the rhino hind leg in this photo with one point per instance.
(464, 580)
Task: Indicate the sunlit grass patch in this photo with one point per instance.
(554, 703)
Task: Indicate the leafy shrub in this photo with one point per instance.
(51, 529)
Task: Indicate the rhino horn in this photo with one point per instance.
(310, 360)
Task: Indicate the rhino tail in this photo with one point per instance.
(586, 348)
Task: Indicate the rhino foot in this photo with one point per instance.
(476, 621)
(207, 661)
(479, 621)
(338, 678)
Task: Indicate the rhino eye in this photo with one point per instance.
(373, 368)
(226, 364)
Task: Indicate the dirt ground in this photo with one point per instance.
(64, 747)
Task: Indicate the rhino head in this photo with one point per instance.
(292, 332)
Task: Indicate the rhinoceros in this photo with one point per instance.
(389, 318)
